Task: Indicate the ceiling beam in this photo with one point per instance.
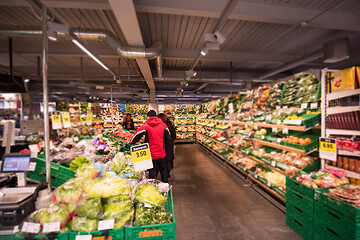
(126, 17)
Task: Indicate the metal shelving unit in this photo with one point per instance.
(326, 111)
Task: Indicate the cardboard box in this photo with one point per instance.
(346, 79)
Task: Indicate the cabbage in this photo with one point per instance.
(54, 213)
(148, 193)
(89, 207)
(78, 162)
(129, 173)
(108, 187)
(83, 224)
(151, 215)
(88, 170)
(70, 191)
(119, 163)
(120, 222)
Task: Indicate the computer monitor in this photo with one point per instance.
(15, 162)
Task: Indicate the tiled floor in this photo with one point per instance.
(211, 203)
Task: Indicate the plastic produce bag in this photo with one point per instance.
(69, 192)
(152, 191)
(108, 186)
(83, 224)
(145, 215)
(55, 213)
(121, 212)
(88, 170)
(89, 207)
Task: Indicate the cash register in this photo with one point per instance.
(16, 201)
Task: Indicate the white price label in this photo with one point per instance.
(106, 224)
(256, 127)
(273, 163)
(34, 148)
(262, 137)
(278, 107)
(304, 106)
(83, 237)
(278, 122)
(52, 146)
(274, 130)
(285, 131)
(76, 139)
(32, 166)
(51, 227)
(279, 140)
(246, 126)
(30, 227)
(313, 105)
(268, 118)
(268, 184)
(285, 107)
(16, 229)
(33, 154)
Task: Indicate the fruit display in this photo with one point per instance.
(296, 140)
(348, 193)
(62, 106)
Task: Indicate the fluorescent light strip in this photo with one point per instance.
(90, 54)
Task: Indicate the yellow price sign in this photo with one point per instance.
(328, 149)
(56, 118)
(66, 117)
(141, 155)
(89, 117)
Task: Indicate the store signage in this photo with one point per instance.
(106, 224)
(141, 157)
(304, 106)
(83, 237)
(274, 129)
(313, 105)
(89, 119)
(328, 149)
(30, 227)
(285, 131)
(32, 166)
(56, 121)
(51, 227)
(256, 127)
(66, 119)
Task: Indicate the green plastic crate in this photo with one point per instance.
(299, 201)
(314, 166)
(157, 231)
(303, 228)
(115, 234)
(308, 147)
(60, 236)
(297, 187)
(302, 215)
(322, 232)
(6, 237)
(339, 206)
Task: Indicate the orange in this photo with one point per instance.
(308, 140)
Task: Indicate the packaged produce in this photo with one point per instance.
(83, 224)
(152, 192)
(69, 192)
(148, 215)
(88, 170)
(54, 213)
(122, 212)
(89, 207)
(348, 193)
(78, 162)
(108, 186)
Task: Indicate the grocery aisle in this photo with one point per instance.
(212, 203)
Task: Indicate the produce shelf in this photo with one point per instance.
(342, 132)
(290, 149)
(249, 156)
(335, 110)
(264, 186)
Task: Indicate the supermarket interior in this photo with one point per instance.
(189, 120)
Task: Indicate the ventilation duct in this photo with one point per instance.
(336, 50)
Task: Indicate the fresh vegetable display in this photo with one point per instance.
(148, 193)
(89, 207)
(83, 224)
(145, 215)
(88, 170)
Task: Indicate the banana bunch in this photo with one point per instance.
(136, 108)
(144, 108)
(129, 108)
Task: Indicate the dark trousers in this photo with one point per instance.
(159, 165)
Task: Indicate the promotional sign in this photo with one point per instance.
(56, 121)
(328, 149)
(141, 157)
(66, 119)
(89, 118)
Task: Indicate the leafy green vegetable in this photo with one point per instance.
(119, 162)
(83, 224)
(120, 222)
(108, 187)
(114, 199)
(89, 207)
(88, 170)
(151, 215)
(70, 192)
(54, 213)
(78, 162)
(148, 193)
(122, 212)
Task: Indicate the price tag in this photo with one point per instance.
(30, 227)
(106, 224)
(83, 237)
(34, 148)
(256, 127)
(328, 149)
(52, 146)
(66, 119)
(273, 163)
(32, 166)
(246, 126)
(278, 122)
(285, 131)
(279, 140)
(56, 121)
(274, 129)
(268, 118)
(304, 106)
(89, 119)
(278, 107)
(313, 105)
(285, 107)
(141, 157)
(268, 184)
(16, 229)
(51, 227)
(262, 137)
(76, 139)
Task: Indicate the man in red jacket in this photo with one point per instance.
(158, 136)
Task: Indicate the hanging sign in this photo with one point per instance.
(56, 121)
(66, 119)
(141, 157)
(328, 149)
(89, 118)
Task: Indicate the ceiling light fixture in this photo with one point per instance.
(26, 80)
(90, 54)
(191, 73)
(52, 35)
(204, 51)
(184, 83)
